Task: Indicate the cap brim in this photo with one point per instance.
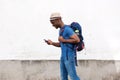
(54, 18)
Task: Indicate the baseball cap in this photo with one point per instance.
(55, 16)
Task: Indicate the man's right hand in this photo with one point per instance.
(49, 42)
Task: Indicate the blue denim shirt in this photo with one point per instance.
(67, 52)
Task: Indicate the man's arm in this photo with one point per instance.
(56, 44)
(73, 39)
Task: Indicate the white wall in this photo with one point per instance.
(25, 23)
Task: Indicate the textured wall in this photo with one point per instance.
(49, 70)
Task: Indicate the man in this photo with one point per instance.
(66, 38)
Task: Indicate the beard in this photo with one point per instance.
(56, 26)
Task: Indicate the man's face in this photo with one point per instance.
(55, 23)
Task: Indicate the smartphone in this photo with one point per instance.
(45, 40)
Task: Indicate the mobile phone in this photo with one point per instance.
(45, 40)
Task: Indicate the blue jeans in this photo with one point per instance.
(67, 67)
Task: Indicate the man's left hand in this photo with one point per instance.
(61, 39)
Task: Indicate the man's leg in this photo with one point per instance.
(70, 65)
(64, 73)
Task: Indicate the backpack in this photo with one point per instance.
(78, 46)
(78, 30)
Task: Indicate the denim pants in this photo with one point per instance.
(67, 67)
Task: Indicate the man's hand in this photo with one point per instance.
(61, 39)
(49, 42)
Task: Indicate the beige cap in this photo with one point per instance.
(55, 16)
